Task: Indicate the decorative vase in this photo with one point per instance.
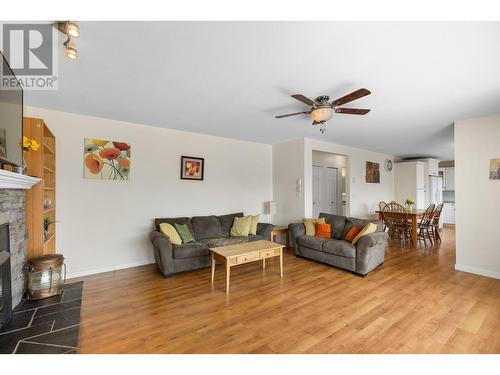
(410, 207)
(47, 202)
(22, 169)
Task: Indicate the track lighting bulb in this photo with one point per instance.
(71, 52)
(72, 29)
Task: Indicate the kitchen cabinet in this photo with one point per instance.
(448, 178)
(448, 213)
(433, 167)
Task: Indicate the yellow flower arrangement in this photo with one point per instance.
(28, 144)
(410, 202)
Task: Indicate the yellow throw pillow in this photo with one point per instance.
(309, 224)
(253, 225)
(241, 226)
(368, 229)
(169, 231)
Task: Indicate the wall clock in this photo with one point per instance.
(388, 165)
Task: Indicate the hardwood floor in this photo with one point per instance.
(415, 303)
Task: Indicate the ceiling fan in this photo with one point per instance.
(321, 110)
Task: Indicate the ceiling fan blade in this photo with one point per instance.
(352, 111)
(292, 114)
(350, 97)
(316, 122)
(303, 99)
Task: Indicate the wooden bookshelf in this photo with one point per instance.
(41, 164)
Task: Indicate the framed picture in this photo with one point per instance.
(192, 168)
(372, 173)
(495, 169)
(106, 160)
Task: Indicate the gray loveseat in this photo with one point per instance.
(208, 231)
(360, 259)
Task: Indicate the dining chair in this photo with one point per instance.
(435, 222)
(381, 206)
(396, 218)
(424, 226)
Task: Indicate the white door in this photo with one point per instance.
(325, 190)
(317, 190)
(331, 190)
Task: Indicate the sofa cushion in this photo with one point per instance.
(184, 233)
(311, 242)
(255, 237)
(241, 226)
(169, 231)
(322, 230)
(190, 250)
(352, 233)
(226, 222)
(340, 247)
(173, 221)
(309, 225)
(224, 241)
(337, 222)
(206, 227)
(253, 224)
(368, 229)
(355, 222)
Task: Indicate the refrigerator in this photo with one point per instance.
(436, 192)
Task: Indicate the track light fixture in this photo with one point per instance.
(71, 51)
(71, 30)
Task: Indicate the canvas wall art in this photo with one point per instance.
(372, 172)
(106, 160)
(192, 168)
(495, 169)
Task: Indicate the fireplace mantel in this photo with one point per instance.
(11, 180)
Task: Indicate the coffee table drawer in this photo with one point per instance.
(269, 253)
(247, 258)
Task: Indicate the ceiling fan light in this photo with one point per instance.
(322, 114)
(72, 29)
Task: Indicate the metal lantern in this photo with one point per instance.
(46, 276)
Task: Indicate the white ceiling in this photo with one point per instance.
(230, 78)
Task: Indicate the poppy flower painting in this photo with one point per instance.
(192, 168)
(106, 160)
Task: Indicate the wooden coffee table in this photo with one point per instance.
(233, 255)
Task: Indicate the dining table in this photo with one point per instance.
(413, 215)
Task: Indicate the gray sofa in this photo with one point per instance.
(367, 254)
(208, 231)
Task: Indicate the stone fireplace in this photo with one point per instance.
(13, 248)
(13, 236)
(5, 276)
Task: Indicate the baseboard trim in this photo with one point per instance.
(109, 268)
(477, 271)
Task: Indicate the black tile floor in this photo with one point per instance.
(46, 326)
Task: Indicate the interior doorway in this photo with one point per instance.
(329, 183)
(325, 190)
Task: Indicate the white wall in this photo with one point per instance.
(105, 225)
(362, 197)
(288, 168)
(477, 197)
(295, 159)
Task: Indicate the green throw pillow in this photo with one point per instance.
(241, 226)
(184, 233)
(253, 225)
